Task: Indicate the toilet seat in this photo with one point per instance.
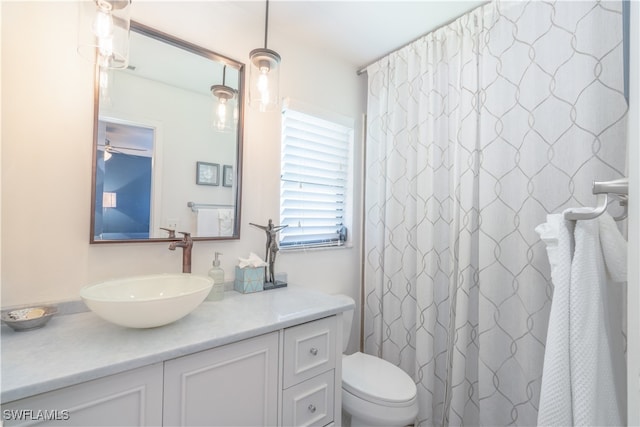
(378, 381)
(369, 414)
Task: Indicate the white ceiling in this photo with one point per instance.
(359, 31)
(363, 31)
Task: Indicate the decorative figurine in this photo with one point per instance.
(271, 230)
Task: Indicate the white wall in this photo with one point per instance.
(47, 127)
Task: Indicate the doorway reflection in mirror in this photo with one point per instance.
(123, 181)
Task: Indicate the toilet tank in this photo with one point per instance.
(347, 322)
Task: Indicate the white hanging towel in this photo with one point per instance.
(207, 223)
(225, 219)
(583, 374)
(555, 394)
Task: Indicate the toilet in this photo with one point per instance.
(375, 392)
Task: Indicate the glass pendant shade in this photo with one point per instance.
(103, 32)
(224, 114)
(264, 76)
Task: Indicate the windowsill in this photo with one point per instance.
(348, 245)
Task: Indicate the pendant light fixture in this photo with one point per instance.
(224, 114)
(264, 74)
(103, 32)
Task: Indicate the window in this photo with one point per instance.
(315, 179)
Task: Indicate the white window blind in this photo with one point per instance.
(315, 174)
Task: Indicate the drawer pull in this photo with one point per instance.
(312, 408)
(313, 351)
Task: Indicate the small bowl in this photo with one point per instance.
(25, 319)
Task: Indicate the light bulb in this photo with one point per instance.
(103, 24)
(263, 85)
(105, 46)
(222, 114)
(107, 155)
(263, 79)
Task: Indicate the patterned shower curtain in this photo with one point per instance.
(475, 132)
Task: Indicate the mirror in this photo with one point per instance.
(167, 155)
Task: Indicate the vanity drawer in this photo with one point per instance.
(309, 403)
(309, 350)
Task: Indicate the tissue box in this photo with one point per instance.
(249, 279)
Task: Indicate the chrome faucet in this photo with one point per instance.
(186, 244)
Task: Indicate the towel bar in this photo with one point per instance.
(618, 188)
(195, 206)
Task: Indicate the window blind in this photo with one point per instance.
(314, 179)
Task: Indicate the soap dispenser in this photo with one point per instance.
(217, 274)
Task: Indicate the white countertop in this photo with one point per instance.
(80, 347)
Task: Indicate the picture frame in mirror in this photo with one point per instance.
(207, 173)
(227, 176)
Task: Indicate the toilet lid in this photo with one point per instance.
(376, 380)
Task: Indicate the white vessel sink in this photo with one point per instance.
(147, 301)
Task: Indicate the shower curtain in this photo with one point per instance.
(475, 132)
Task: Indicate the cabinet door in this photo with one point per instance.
(132, 398)
(232, 385)
(309, 350)
(309, 403)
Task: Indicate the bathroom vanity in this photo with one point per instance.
(269, 358)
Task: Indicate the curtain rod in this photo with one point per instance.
(363, 69)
